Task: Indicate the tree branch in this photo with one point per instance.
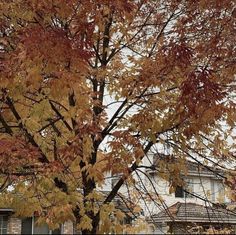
(60, 116)
(121, 181)
(28, 135)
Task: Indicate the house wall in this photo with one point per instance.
(202, 186)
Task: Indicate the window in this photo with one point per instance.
(182, 191)
(28, 226)
(179, 192)
(3, 224)
(217, 191)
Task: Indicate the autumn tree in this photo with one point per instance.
(90, 88)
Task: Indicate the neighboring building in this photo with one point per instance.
(192, 207)
(9, 224)
(200, 182)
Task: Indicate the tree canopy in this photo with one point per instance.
(89, 88)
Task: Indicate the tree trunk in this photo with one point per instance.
(89, 186)
(95, 225)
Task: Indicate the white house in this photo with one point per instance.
(199, 201)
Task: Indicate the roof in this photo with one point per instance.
(192, 212)
(6, 209)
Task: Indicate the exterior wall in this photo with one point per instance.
(14, 226)
(202, 186)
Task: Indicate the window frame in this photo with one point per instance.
(33, 220)
(3, 224)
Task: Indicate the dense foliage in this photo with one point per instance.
(89, 88)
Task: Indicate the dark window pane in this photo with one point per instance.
(179, 192)
(26, 226)
(3, 224)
